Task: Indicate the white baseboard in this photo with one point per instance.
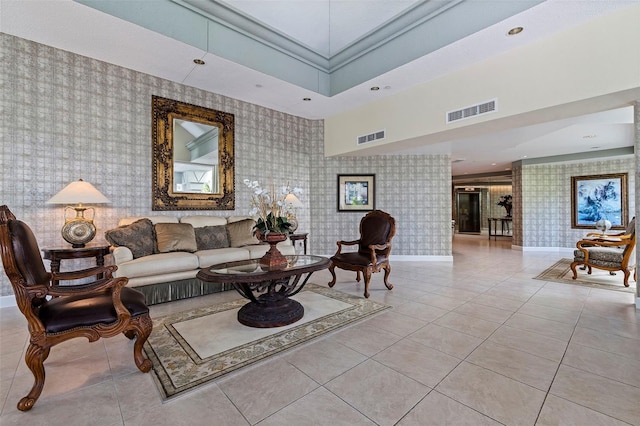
(7, 301)
(563, 250)
(412, 258)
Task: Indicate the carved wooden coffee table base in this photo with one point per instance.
(268, 291)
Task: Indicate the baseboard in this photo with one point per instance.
(412, 258)
(564, 250)
(7, 301)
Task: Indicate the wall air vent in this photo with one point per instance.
(472, 111)
(375, 136)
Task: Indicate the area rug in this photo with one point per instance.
(191, 348)
(560, 272)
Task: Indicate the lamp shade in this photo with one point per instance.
(293, 201)
(79, 192)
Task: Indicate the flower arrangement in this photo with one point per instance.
(506, 202)
(272, 206)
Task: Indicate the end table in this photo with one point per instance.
(55, 255)
(297, 237)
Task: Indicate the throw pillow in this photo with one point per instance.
(211, 237)
(241, 233)
(137, 237)
(175, 237)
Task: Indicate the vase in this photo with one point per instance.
(508, 209)
(273, 259)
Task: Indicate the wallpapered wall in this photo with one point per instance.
(546, 200)
(67, 117)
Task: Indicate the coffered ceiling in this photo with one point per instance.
(276, 53)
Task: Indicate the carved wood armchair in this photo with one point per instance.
(377, 228)
(56, 313)
(613, 252)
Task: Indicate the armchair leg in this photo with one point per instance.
(357, 276)
(34, 358)
(367, 279)
(626, 277)
(141, 327)
(387, 271)
(573, 268)
(332, 268)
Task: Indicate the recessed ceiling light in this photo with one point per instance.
(198, 61)
(595, 147)
(515, 30)
(524, 156)
(589, 136)
(374, 88)
(306, 99)
(493, 164)
(259, 85)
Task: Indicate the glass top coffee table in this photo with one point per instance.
(269, 291)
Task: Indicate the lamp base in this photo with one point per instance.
(79, 230)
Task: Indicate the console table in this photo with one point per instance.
(55, 255)
(298, 237)
(269, 290)
(505, 222)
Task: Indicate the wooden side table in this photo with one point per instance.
(55, 255)
(297, 237)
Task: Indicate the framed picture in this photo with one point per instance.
(356, 193)
(599, 197)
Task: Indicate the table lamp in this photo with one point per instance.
(294, 202)
(79, 230)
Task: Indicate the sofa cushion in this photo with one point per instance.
(175, 237)
(207, 258)
(211, 237)
(158, 264)
(138, 237)
(241, 233)
(203, 220)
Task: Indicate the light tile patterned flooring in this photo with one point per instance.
(473, 342)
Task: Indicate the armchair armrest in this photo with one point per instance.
(85, 273)
(345, 243)
(88, 289)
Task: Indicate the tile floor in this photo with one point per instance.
(476, 342)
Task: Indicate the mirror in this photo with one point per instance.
(193, 163)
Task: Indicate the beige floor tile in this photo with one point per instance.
(366, 339)
(205, 406)
(485, 312)
(496, 396)
(545, 327)
(324, 360)
(550, 313)
(382, 393)
(442, 302)
(260, 391)
(456, 293)
(533, 343)
(318, 408)
(437, 409)
(623, 346)
(420, 311)
(473, 326)
(446, 340)
(499, 302)
(610, 326)
(560, 412)
(602, 363)
(137, 393)
(396, 323)
(621, 311)
(521, 366)
(427, 366)
(598, 393)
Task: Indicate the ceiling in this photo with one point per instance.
(328, 28)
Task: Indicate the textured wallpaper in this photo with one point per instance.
(67, 117)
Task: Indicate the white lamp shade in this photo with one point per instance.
(293, 201)
(79, 192)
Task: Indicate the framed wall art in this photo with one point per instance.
(356, 193)
(598, 197)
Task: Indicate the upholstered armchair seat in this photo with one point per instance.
(355, 258)
(602, 256)
(65, 313)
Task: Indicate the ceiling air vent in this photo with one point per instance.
(472, 111)
(375, 136)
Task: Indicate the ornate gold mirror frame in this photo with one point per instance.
(167, 194)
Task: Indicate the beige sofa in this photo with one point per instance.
(166, 269)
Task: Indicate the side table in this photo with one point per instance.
(55, 255)
(298, 237)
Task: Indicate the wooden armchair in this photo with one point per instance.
(56, 313)
(613, 252)
(377, 229)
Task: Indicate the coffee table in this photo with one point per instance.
(269, 291)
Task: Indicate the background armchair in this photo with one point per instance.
(56, 313)
(613, 252)
(377, 229)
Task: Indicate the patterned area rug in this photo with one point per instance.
(191, 348)
(560, 272)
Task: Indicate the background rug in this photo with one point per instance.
(194, 347)
(560, 272)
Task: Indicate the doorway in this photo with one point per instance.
(468, 208)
